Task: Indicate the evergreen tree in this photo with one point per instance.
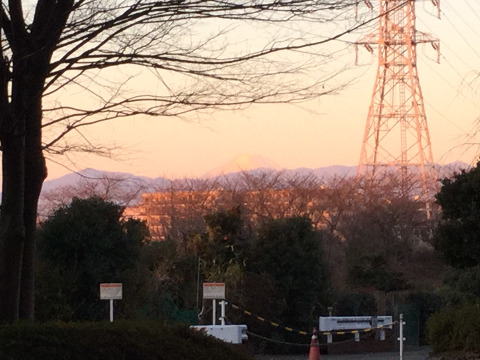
(457, 237)
(80, 246)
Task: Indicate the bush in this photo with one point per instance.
(111, 341)
(462, 285)
(455, 329)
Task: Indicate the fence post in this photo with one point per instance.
(401, 338)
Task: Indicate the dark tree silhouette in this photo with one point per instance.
(457, 238)
(80, 246)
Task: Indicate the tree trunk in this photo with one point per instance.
(34, 185)
(12, 234)
(22, 80)
(23, 175)
(35, 174)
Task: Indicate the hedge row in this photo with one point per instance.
(455, 329)
(111, 341)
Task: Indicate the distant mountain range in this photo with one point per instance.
(127, 189)
(230, 170)
(76, 178)
(151, 183)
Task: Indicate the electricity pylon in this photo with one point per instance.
(396, 138)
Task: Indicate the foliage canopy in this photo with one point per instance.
(457, 237)
(80, 246)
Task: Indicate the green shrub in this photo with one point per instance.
(462, 285)
(111, 341)
(455, 328)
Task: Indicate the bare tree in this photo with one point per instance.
(52, 50)
(384, 230)
(120, 188)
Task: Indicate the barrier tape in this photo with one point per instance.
(274, 324)
(249, 333)
(276, 341)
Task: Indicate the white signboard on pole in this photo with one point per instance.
(111, 291)
(214, 290)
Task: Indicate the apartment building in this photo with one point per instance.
(178, 212)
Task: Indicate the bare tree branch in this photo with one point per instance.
(170, 38)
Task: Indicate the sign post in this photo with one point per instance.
(214, 291)
(111, 291)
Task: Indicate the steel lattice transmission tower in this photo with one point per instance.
(396, 134)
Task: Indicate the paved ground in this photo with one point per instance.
(420, 353)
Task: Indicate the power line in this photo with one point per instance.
(472, 9)
(459, 32)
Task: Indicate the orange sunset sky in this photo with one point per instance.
(323, 132)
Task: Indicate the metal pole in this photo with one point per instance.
(401, 338)
(198, 284)
(111, 310)
(214, 311)
(222, 307)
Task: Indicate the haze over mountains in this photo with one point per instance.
(243, 163)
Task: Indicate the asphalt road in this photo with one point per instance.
(420, 353)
